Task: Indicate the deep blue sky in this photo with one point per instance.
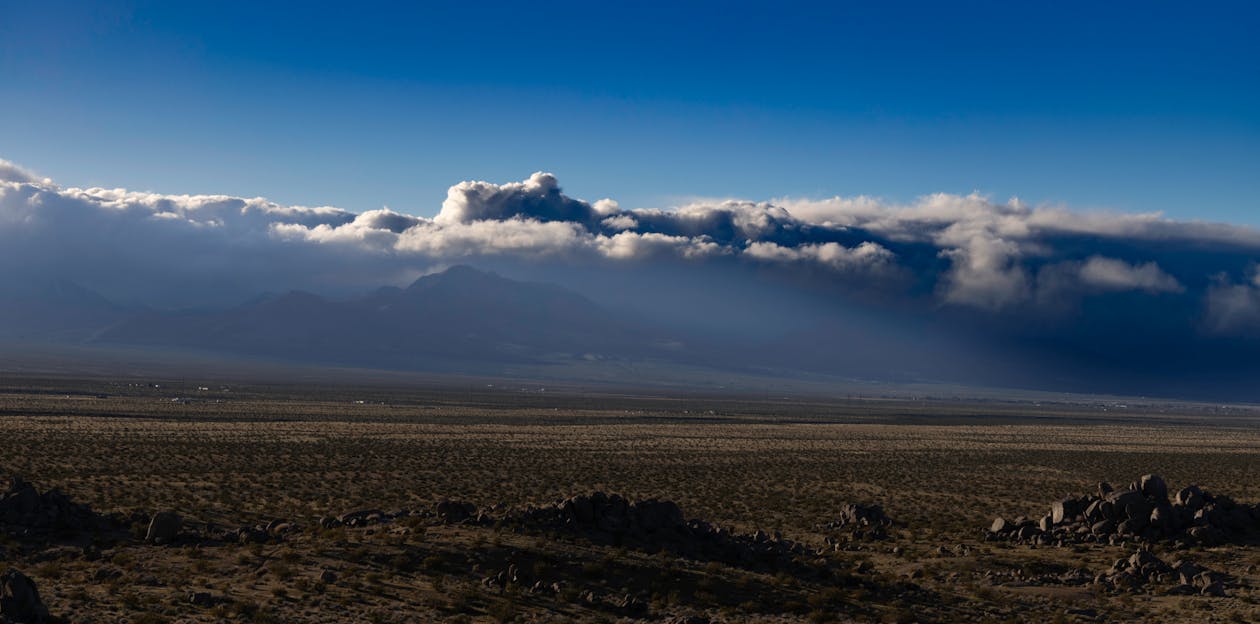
(1134, 106)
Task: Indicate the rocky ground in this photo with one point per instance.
(263, 505)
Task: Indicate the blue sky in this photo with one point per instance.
(1133, 106)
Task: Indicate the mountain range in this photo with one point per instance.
(459, 319)
(466, 321)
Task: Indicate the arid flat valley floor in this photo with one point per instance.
(225, 456)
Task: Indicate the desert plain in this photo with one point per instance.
(321, 502)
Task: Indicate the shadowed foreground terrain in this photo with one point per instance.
(506, 503)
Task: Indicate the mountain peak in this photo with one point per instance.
(460, 317)
(455, 275)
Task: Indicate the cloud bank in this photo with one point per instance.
(942, 252)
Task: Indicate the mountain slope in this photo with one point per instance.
(58, 311)
(460, 317)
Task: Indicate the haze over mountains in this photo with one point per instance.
(460, 318)
(465, 320)
(953, 289)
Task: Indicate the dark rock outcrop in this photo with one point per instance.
(19, 600)
(654, 525)
(1142, 512)
(25, 509)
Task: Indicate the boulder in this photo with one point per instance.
(1132, 526)
(1144, 559)
(862, 515)
(19, 600)
(1190, 497)
(1064, 510)
(251, 535)
(454, 512)
(202, 599)
(1130, 504)
(1153, 487)
(362, 517)
(1103, 527)
(164, 527)
(1206, 535)
(1186, 572)
(277, 528)
(1163, 518)
(1093, 511)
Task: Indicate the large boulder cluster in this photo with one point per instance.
(1144, 511)
(654, 525)
(24, 509)
(1143, 570)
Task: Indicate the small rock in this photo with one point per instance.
(201, 599)
(106, 574)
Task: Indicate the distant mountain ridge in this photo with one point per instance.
(461, 316)
(467, 321)
(60, 311)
